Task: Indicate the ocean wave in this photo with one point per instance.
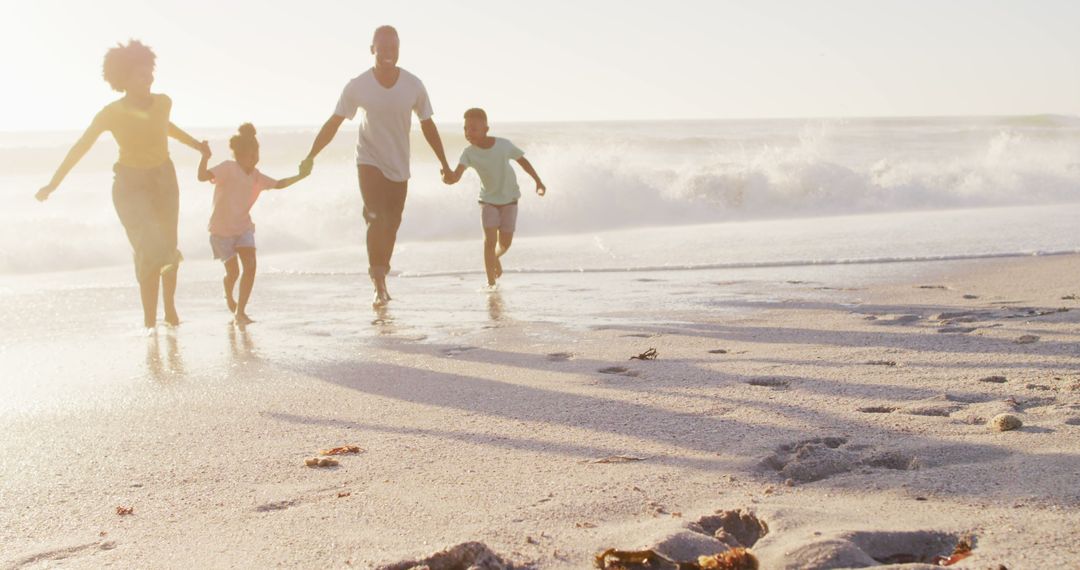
(600, 177)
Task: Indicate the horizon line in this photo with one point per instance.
(624, 121)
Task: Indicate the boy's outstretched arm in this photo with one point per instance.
(326, 134)
(204, 173)
(431, 135)
(528, 168)
(78, 150)
(452, 176)
(186, 139)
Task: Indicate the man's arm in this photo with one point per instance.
(78, 150)
(186, 139)
(528, 168)
(326, 134)
(431, 135)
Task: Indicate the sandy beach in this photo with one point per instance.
(846, 407)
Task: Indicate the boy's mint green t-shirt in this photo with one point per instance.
(498, 184)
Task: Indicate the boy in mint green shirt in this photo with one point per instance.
(499, 192)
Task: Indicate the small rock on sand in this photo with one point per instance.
(993, 379)
(1005, 422)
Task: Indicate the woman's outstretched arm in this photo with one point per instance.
(78, 150)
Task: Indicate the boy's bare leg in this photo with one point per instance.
(491, 259)
(168, 296)
(232, 273)
(148, 292)
(247, 281)
(505, 239)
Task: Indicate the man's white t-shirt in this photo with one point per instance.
(386, 121)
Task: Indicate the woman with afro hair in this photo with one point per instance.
(145, 191)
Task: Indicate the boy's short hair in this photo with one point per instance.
(476, 113)
(120, 59)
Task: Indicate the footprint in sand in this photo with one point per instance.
(898, 320)
(993, 379)
(956, 330)
(769, 382)
(619, 371)
(736, 528)
(456, 350)
(713, 541)
(943, 405)
(466, 555)
(1072, 422)
(877, 410)
(822, 457)
(559, 356)
(861, 549)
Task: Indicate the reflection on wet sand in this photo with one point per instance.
(171, 366)
(383, 321)
(496, 307)
(241, 346)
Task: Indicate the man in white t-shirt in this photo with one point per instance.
(387, 96)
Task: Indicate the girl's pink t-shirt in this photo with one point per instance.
(235, 192)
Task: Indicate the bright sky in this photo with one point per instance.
(282, 62)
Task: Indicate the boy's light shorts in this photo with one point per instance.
(225, 246)
(502, 217)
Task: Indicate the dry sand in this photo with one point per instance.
(853, 421)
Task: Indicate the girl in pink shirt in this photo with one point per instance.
(237, 184)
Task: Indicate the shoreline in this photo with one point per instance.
(482, 417)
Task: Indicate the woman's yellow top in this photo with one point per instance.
(141, 134)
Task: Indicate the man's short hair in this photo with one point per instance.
(120, 60)
(476, 113)
(384, 30)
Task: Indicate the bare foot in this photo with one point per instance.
(241, 318)
(382, 296)
(231, 303)
(498, 268)
(172, 319)
(381, 299)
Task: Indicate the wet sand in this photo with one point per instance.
(844, 406)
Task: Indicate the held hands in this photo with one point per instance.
(306, 166)
(447, 175)
(204, 149)
(43, 194)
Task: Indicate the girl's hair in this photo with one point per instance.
(121, 59)
(244, 140)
